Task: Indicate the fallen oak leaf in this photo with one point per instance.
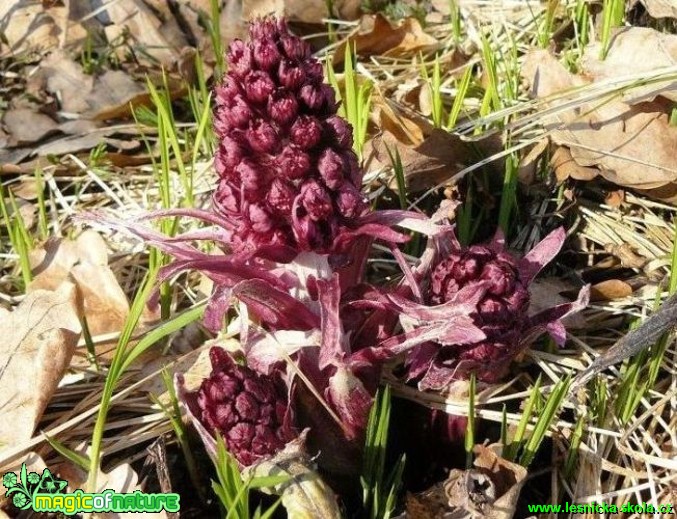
(565, 166)
(633, 146)
(609, 290)
(27, 126)
(83, 261)
(40, 337)
(123, 479)
(661, 8)
(157, 36)
(436, 160)
(65, 78)
(377, 36)
(636, 49)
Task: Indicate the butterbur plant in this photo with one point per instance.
(249, 411)
(294, 232)
(288, 180)
(492, 286)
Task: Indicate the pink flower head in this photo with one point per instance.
(251, 412)
(497, 282)
(277, 123)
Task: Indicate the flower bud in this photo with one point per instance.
(261, 221)
(314, 70)
(306, 132)
(282, 107)
(262, 137)
(251, 176)
(330, 166)
(292, 76)
(258, 86)
(228, 156)
(239, 58)
(293, 163)
(313, 96)
(225, 91)
(350, 201)
(315, 200)
(238, 113)
(266, 54)
(281, 196)
(227, 198)
(339, 131)
(295, 48)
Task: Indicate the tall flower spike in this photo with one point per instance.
(285, 162)
(249, 411)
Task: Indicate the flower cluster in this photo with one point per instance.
(501, 313)
(250, 411)
(287, 172)
(496, 285)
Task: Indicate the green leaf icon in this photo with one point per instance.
(21, 501)
(9, 480)
(49, 484)
(24, 472)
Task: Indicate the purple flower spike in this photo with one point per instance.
(285, 156)
(251, 412)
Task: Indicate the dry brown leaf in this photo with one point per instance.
(609, 290)
(66, 79)
(194, 366)
(31, 27)
(85, 262)
(232, 25)
(40, 337)
(635, 50)
(33, 461)
(634, 146)
(306, 11)
(565, 166)
(376, 36)
(529, 163)
(430, 156)
(628, 256)
(489, 490)
(435, 161)
(404, 124)
(102, 97)
(661, 8)
(158, 36)
(615, 198)
(112, 95)
(74, 143)
(27, 126)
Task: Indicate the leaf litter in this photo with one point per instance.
(432, 157)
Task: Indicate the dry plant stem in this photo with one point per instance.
(634, 342)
